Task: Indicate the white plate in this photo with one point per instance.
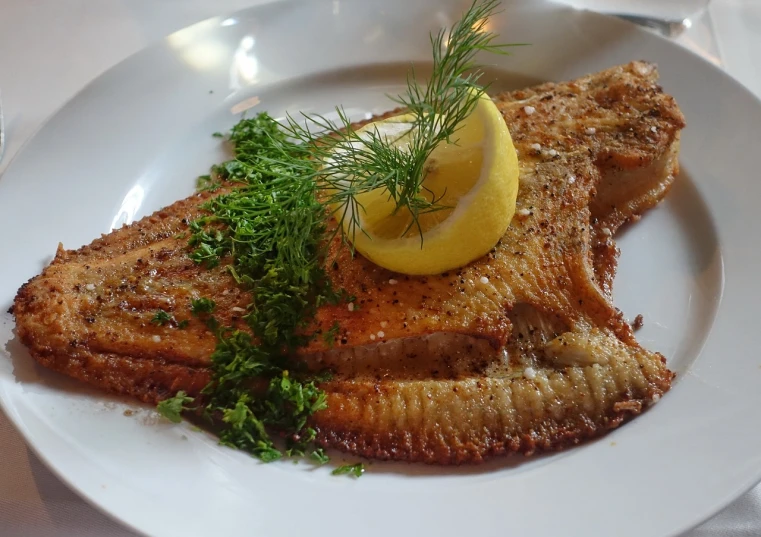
(135, 139)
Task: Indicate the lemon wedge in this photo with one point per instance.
(474, 179)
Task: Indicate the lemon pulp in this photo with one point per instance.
(475, 184)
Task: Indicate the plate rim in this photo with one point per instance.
(10, 411)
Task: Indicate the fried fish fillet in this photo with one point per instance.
(519, 351)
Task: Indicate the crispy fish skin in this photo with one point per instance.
(520, 351)
(88, 315)
(594, 154)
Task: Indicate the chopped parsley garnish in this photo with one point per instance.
(183, 324)
(202, 305)
(172, 408)
(350, 469)
(319, 456)
(206, 182)
(161, 318)
(330, 335)
(271, 231)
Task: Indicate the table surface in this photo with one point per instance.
(43, 63)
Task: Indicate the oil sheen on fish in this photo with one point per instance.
(520, 351)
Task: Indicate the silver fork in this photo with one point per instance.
(664, 27)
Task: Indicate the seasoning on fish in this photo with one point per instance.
(519, 351)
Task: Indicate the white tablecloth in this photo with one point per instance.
(49, 49)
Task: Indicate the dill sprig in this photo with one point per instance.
(356, 162)
(271, 230)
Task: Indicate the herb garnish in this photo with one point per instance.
(354, 163)
(272, 229)
(202, 305)
(161, 318)
(350, 469)
(172, 408)
(319, 456)
(330, 335)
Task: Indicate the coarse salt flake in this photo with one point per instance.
(642, 68)
(529, 110)
(237, 309)
(392, 281)
(156, 338)
(606, 232)
(536, 146)
(484, 280)
(591, 130)
(372, 337)
(350, 306)
(523, 212)
(90, 287)
(571, 179)
(529, 373)
(656, 397)
(381, 334)
(654, 128)
(552, 153)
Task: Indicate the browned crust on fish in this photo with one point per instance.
(472, 419)
(486, 434)
(536, 359)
